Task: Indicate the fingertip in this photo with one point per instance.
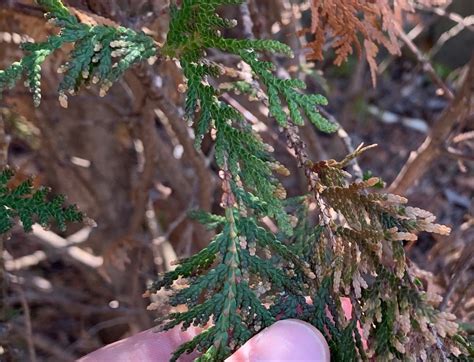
(146, 346)
(286, 340)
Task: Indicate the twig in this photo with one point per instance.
(162, 248)
(456, 154)
(451, 33)
(4, 143)
(180, 128)
(196, 158)
(463, 137)
(412, 35)
(463, 263)
(147, 134)
(167, 165)
(46, 344)
(427, 67)
(56, 299)
(297, 144)
(96, 329)
(29, 330)
(247, 28)
(25, 261)
(58, 243)
(448, 14)
(346, 139)
(421, 159)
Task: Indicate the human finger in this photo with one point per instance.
(146, 346)
(286, 340)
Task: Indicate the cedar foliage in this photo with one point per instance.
(361, 24)
(248, 276)
(100, 56)
(29, 205)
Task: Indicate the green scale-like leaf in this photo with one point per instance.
(91, 59)
(221, 293)
(31, 205)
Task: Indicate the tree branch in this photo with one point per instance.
(421, 159)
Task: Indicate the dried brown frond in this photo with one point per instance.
(361, 24)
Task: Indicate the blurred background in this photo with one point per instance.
(128, 161)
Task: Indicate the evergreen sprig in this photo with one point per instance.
(226, 286)
(351, 246)
(340, 257)
(196, 27)
(360, 249)
(234, 275)
(31, 205)
(101, 54)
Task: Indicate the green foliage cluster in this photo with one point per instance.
(101, 54)
(31, 205)
(350, 245)
(222, 287)
(336, 256)
(195, 27)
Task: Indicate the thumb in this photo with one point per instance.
(286, 340)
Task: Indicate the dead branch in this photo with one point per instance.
(4, 143)
(91, 332)
(205, 179)
(463, 264)
(457, 18)
(167, 166)
(164, 252)
(46, 344)
(25, 261)
(77, 254)
(424, 61)
(467, 22)
(169, 109)
(421, 159)
(147, 134)
(347, 141)
(55, 298)
(456, 154)
(28, 335)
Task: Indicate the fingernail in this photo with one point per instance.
(287, 340)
